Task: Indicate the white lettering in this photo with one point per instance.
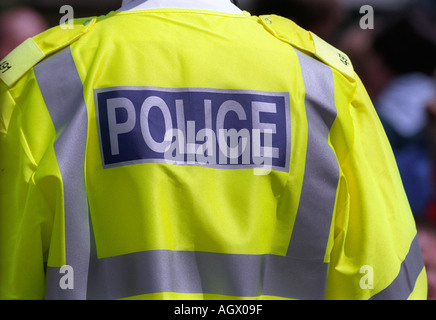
(176, 150)
(115, 128)
(207, 151)
(234, 139)
(148, 104)
(262, 156)
(223, 110)
(191, 310)
(269, 128)
(237, 146)
(191, 146)
(242, 309)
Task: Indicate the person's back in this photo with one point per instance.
(186, 153)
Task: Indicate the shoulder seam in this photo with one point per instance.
(288, 31)
(87, 23)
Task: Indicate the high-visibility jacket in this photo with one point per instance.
(193, 154)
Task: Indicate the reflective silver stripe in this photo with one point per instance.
(62, 91)
(404, 283)
(312, 225)
(203, 272)
(321, 175)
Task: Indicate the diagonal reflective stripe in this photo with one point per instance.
(62, 90)
(404, 283)
(318, 195)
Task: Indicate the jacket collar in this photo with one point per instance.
(211, 5)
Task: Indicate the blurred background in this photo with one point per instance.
(396, 60)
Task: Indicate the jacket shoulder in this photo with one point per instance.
(288, 31)
(33, 50)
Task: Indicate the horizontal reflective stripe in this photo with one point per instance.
(404, 283)
(62, 90)
(201, 272)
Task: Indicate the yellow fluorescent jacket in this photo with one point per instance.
(192, 154)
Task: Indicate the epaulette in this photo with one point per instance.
(35, 49)
(288, 31)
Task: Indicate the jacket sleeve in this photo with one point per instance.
(26, 191)
(376, 254)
